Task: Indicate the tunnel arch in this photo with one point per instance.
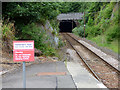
(67, 25)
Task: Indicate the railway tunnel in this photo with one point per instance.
(68, 21)
(67, 25)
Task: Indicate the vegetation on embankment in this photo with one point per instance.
(29, 20)
(102, 20)
(27, 15)
(8, 35)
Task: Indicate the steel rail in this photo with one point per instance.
(95, 54)
(94, 74)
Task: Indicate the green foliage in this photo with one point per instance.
(113, 33)
(103, 24)
(32, 32)
(8, 35)
(8, 31)
(32, 11)
(78, 6)
(90, 22)
(55, 26)
(64, 7)
(27, 12)
(103, 21)
(53, 32)
(116, 17)
(104, 30)
(100, 20)
(79, 31)
(49, 51)
(107, 12)
(60, 43)
(110, 45)
(93, 31)
(93, 8)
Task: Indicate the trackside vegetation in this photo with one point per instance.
(102, 25)
(23, 21)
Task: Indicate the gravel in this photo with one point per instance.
(107, 74)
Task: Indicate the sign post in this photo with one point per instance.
(23, 51)
(24, 76)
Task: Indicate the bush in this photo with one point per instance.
(79, 31)
(116, 17)
(93, 31)
(32, 32)
(106, 13)
(90, 21)
(60, 43)
(113, 33)
(8, 35)
(49, 51)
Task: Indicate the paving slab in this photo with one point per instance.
(82, 78)
(80, 75)
(76, 77)
(65, 82)
(33, 80)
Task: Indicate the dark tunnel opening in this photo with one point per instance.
(67, 25)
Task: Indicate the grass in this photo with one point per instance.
(101, 41)
(66, 61)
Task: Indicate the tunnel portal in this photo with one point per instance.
(67, 25)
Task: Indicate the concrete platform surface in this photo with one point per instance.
(40, 76)
(80, 75)
(82, 78)
(33, 80)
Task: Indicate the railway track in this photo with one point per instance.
(108, 63)
(100, 69)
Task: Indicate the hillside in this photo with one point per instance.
(101, 25)
(20, 21)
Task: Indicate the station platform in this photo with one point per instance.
(45, 75)
(80, 75)
(52, 76)
(82, 78)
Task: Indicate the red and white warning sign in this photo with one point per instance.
(23, 50)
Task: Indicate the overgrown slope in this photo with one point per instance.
(30, 22)
(102, 25)
(101, 20)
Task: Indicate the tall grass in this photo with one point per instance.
(36, 33)
(102, 42)
(8, 35)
